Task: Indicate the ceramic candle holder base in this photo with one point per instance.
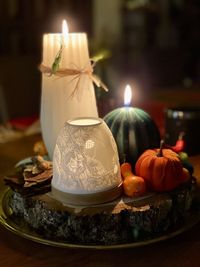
(87, 199)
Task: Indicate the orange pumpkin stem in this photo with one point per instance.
(160, 154)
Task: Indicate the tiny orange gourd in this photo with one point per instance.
(161, 168)
(126, 169)
(134, 186)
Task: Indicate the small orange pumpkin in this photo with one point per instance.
(161, 169)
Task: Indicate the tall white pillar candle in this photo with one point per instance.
(59, 103)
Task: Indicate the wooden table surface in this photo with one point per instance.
(180, 251)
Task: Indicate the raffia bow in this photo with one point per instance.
(77, 73)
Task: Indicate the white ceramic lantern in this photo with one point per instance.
(86, 166)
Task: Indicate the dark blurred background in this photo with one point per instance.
(153, 45)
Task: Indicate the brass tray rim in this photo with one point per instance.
(7, 223)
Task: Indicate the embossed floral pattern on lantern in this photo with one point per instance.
(85, 159)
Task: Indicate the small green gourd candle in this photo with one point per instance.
(133, 129)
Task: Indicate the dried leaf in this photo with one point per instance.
(40, 177)
(33, 178)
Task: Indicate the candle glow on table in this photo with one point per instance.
(69, 96)
(133, 129)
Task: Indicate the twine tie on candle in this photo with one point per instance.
(64, 72)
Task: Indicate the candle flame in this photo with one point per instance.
(65, 29)
(127, 95)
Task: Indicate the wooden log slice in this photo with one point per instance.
(121, 221)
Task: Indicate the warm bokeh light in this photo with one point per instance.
(127, 95)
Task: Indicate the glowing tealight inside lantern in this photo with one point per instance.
(133, 129)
